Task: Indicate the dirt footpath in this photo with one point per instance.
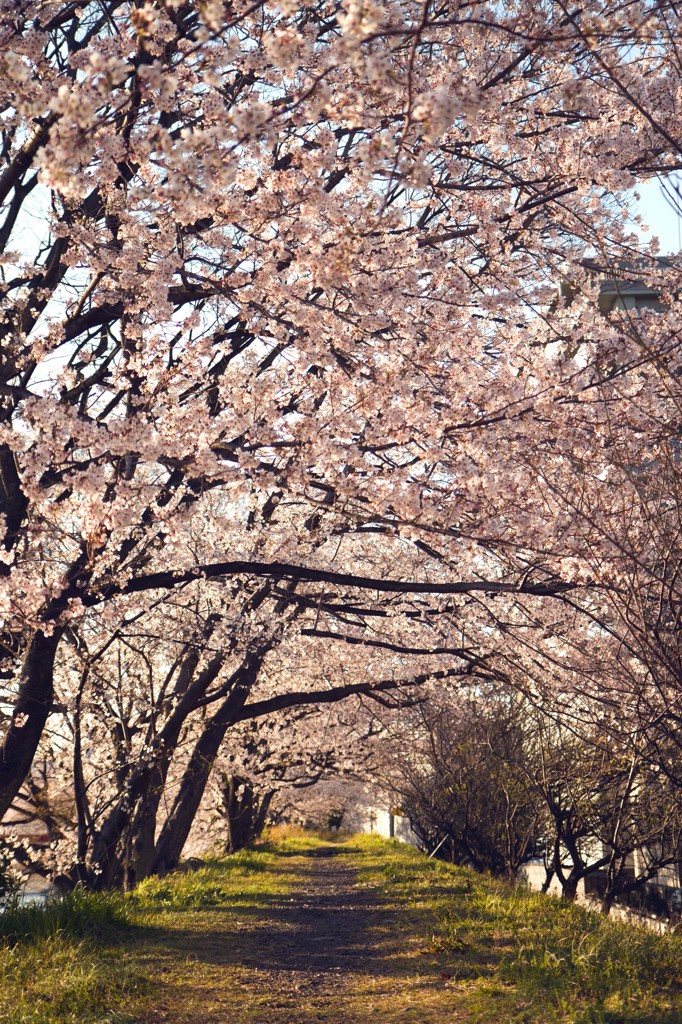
(333, 951)
(330, 929)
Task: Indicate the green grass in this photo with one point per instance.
(242, 878)
(445, 945)
(531, 957)
(72, 960)
(76, 915)
(58, 962)
(56, 979)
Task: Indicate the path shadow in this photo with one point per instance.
(330, 926)
(314, 851)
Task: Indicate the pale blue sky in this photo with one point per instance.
(662, 219)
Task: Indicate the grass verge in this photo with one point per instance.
(58, 962)
(76, 959)
(517, 956)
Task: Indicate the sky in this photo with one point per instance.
(660, 216)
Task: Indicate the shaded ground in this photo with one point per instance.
(334, 950)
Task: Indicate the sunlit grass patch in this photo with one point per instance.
(565, 961)
(291, 840)
(506, 954)
(245, 876)
(563, 950)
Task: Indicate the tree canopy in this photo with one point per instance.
(306, 388)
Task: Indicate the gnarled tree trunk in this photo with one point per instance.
(193, 784)
(245, 812)
(34, 703)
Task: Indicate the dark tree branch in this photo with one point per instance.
(284, 570)
(289, 700)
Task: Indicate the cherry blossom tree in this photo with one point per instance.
(280, 310)
(196, 687)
